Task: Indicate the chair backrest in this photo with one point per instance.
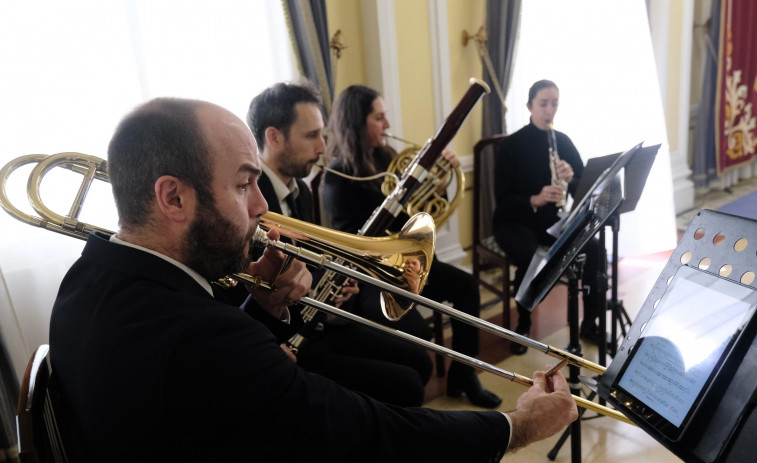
(39, 436)
(315, 189)
(478, 156)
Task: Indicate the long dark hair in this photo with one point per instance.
(347, 143)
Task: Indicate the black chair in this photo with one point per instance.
(486, 253)
(40, 438)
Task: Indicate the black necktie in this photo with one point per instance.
(293, 209)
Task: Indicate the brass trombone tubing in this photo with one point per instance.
(77, 162)
(457, 356)
(407, 142)
(286, 228)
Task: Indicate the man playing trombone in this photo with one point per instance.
(155, 369)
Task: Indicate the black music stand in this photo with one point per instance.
(587, 217)
(635, 176)
(573, 231)
(723, 426)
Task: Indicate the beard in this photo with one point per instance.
(214, 245)
(290, 166)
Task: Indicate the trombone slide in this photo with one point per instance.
(454, 355)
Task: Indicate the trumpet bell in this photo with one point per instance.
(403, 259)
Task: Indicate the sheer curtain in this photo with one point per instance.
(71, 70)
(310, 29)
(704, 162)
(502, 22)
(600, 56)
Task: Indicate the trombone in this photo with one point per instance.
(385, 257)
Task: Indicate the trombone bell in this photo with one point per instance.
(402, 260)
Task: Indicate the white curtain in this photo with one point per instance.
(71, 70)
(600, 55)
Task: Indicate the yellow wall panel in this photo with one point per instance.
(465, 15)
(347, 17)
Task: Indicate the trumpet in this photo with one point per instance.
(387, 253)
(554, 158)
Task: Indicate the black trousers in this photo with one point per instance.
(359, 358)
(364, 360)
(520, 243)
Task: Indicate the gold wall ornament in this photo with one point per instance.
(481, 38)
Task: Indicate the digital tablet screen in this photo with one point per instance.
(683, 345)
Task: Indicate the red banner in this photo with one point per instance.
(736, 135)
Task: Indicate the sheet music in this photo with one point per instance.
(682, 343)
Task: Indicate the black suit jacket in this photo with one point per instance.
(157, 370)
(304, 200)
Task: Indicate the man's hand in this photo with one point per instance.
(545, 409)
(411, 272)
(289, 353)
(290, 283)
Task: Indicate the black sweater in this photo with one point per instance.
(522, 170)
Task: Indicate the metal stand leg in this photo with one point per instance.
(620, 317)
(574, 272)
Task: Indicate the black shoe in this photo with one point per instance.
(519, 349)
(463, 378)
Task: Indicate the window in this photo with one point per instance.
(72, 69)
(600, 56)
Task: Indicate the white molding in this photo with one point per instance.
(440, 63)
(448, 248)
(381, 62)
(659, 28)
(466, 163)
(683, 187)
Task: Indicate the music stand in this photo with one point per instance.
(635, 177)
(593, 169)
(636, 171)
(585, 219)
(721, 423)
(588, 216)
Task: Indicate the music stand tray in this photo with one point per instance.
(706, 293)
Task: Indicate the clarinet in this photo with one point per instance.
(554, 158)
(331, 283)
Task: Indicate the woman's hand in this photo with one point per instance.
(548, 194)
(564, 171)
